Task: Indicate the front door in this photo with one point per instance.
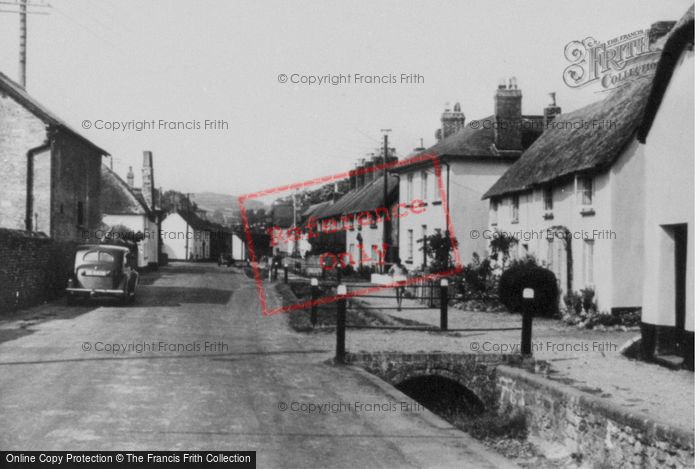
(680, 239)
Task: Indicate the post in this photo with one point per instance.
(340, 326)
(23, 43)
(314, 306)
(385, 198)
(526, 337)
(443, 304)
(338, 275)
(275, 266)
(286, 273)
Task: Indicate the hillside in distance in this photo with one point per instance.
(225, 205)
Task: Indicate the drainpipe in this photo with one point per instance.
(28, 225)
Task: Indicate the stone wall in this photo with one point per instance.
(476, 372)
(20, 131)
(602, 434)
(33, 268)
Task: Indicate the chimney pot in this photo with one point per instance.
(130, 177)
(552, 110)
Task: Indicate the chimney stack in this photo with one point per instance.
(359, 176)
(508, 132)
(552, 110)
(452, 121)
(147, 187)
(130, 177)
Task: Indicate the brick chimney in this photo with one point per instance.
(369, 174)
(552, 110)
(130, 177)
(147, 187)
(507, 131)
(359, 176)
(452, 121)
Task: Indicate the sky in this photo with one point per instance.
(189, 61)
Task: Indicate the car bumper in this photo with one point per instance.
(94, 292)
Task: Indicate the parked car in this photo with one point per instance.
(226, 259)
(102, 270)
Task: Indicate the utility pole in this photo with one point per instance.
(23, 43)
(385, 225)
(23, 12)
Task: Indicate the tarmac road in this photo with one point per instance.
(219, 376)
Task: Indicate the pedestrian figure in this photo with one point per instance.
(398, 274)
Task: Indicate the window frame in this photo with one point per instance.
(581, 191)
(493, 211)
(515, 208)
(424, 186)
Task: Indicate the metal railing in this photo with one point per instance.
(343, 294)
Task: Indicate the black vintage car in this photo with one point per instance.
(103, 271)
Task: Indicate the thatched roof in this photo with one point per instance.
(366, 198)
(117, 198)
(315, 209)
(682, 34)
(561, 152)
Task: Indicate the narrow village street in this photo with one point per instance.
(233, 388)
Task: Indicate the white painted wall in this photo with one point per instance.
(536, 233)
(465, 182)
(371, 236)
(182, 242)
(669, 170)
(238, 248)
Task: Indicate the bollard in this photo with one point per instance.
(338, 275)
(274, 271)
(340, 326)
(443, 304)
(526, 337)
(286, 273)
(314, 306)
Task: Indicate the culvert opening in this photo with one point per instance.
(463, 409)
(443, 396)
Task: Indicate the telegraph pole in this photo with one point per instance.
(385, 225)
(22, 5)
(23, 43)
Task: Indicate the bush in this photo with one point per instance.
(526, 273)
(478, 281)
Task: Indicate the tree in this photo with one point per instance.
(174, 200)
(439, 248)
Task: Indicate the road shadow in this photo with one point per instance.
(153, 295)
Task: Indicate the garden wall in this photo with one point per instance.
(33, 268)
